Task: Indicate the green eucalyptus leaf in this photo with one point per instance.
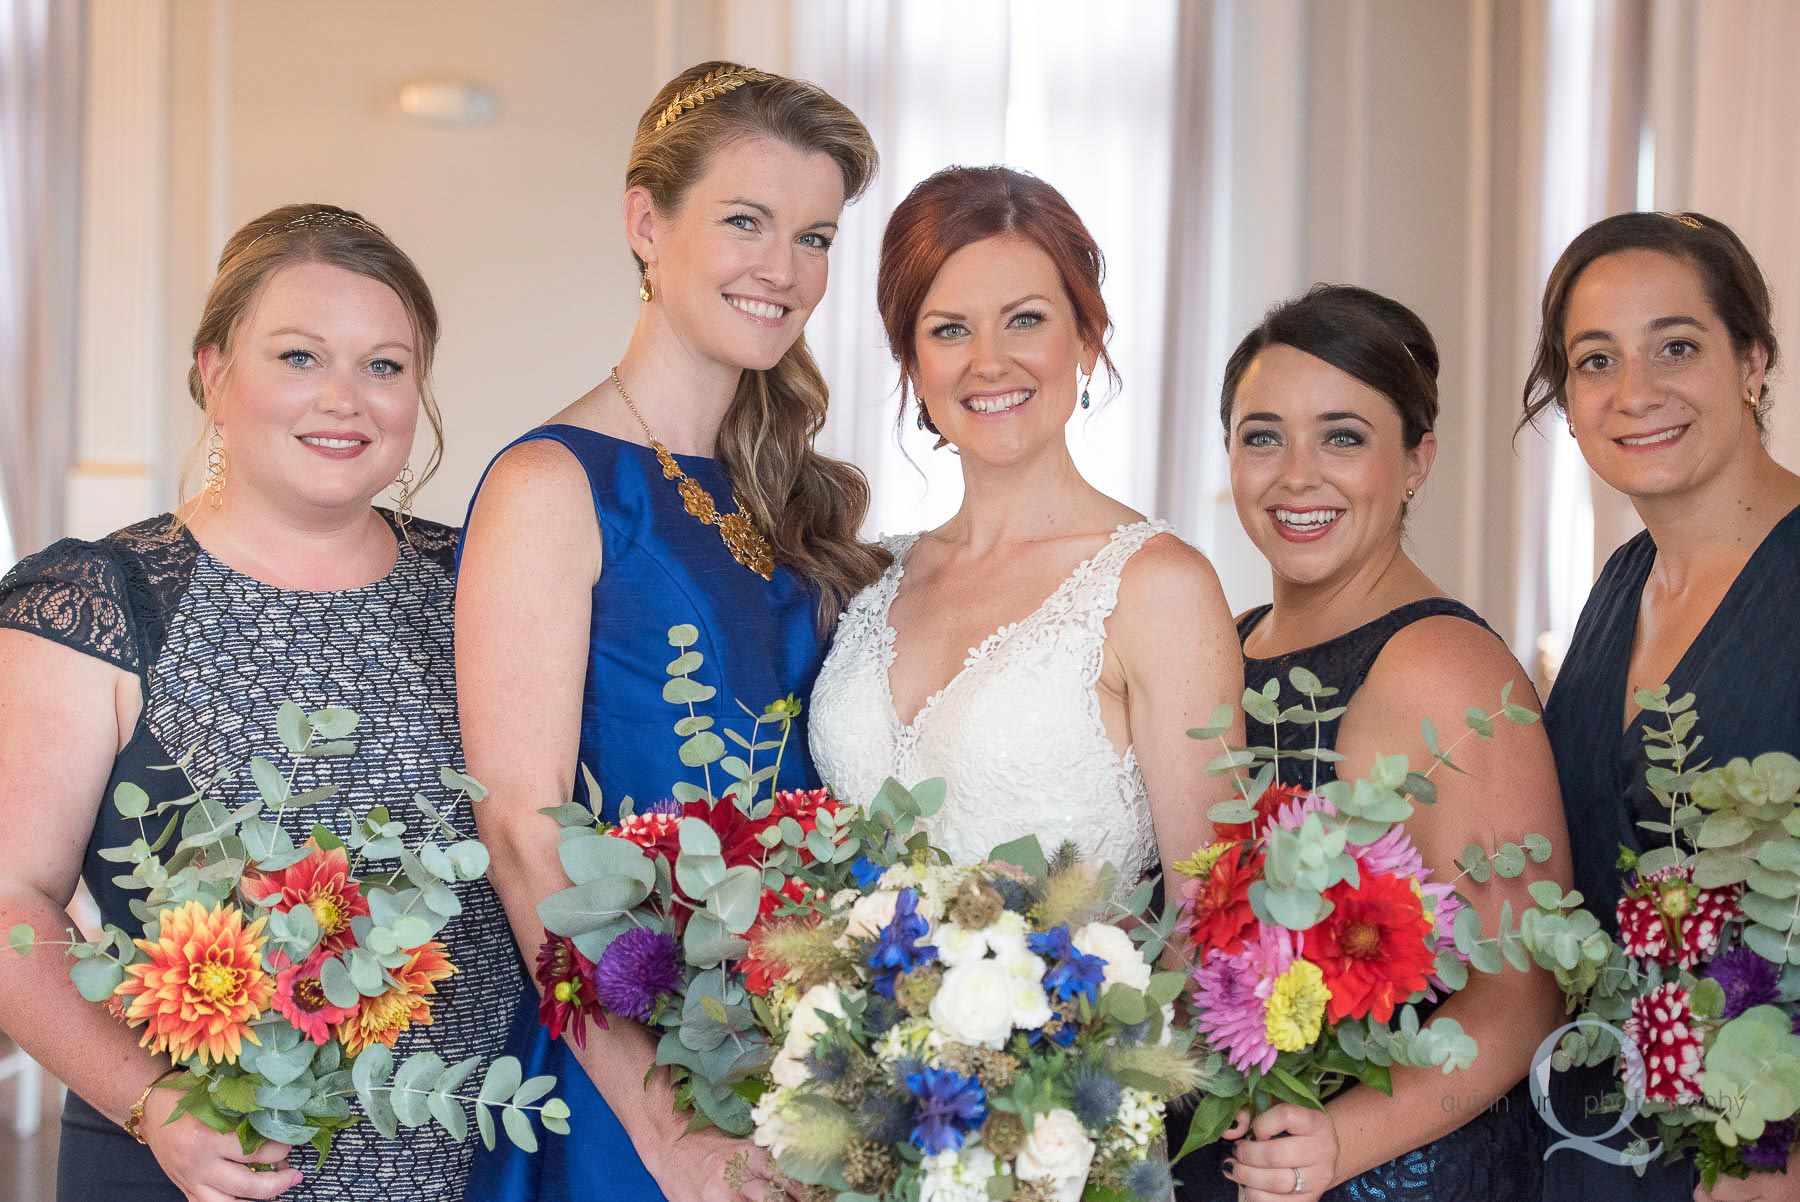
(97, 978)
(683, 635)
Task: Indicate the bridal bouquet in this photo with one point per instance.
(956, 1031)
(278, 976)
(1317, 931)
(1704, 976)
(667, 907)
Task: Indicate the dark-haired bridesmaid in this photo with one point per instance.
(1329, 407)
(1657, 343)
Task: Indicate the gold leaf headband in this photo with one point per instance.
(710, 87)
(1684, 219)
(316, 217)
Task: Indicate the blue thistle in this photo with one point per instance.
(828, 1062)
(899, 948)
(1014, 895)
(887, 1119)
(1096, 1097)
(881, 1015)
(950, 1107)
(1149, 1180)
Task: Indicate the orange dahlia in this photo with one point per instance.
(202, 985)
(381, 1019)
(321, 882)
(1216, 908)
(1375, 947)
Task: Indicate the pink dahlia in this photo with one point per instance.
(1231, 997)
(1662, 1026)
(1391, 855)
(1672, 921)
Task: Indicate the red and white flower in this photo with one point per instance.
(1662, 1026)
(1672, 921)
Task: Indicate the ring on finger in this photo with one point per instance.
(1299, 1182)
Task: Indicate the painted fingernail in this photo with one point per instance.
(1230, 1166)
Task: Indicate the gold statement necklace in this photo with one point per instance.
(741, 537)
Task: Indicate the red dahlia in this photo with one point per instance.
(567, 978)
(1267, 807)
(1375, 947)
(1662, 1026)
(1219, 916)
(1672, 921)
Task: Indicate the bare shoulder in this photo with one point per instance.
(1170, 587)
(1445, 657)
(534, 505)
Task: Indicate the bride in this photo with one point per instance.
(1046, 650)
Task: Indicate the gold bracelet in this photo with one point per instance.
(134, 1120)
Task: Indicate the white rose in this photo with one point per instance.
(1057, 1151)
(1006, 935)
(871, 913)
(1124, 961)
(1030, 1004)
(959, 945)
(789, 1066)
(975, 1003)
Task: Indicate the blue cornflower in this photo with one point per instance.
(897, 949)
(865, 872)
(1075, 972)
(950, 1106)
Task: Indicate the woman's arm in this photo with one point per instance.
(524, 602)
(1438, 668)
(63, 717)
(1177, 653)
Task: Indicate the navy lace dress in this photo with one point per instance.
(215, 653)
(1744, 671)
(1497, 1153)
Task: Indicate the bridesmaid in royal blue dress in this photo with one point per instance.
(1657, 343)
(682, 489)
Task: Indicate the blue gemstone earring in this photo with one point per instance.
(1086, 401)
(921, 418)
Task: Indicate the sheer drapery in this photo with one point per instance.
(40, 75)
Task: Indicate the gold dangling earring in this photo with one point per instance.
(403, 499)
(645, 292)
(215, 467)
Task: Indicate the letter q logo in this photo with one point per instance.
(1592, 1145)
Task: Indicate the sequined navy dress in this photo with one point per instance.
(215, 653)
(761, 641)
(1496, 1154)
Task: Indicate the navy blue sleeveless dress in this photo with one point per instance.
(1744, 670)
(1496, 1154)
(761, 641)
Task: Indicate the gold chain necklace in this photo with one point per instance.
(742, 538)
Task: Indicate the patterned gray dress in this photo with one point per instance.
(216, 652)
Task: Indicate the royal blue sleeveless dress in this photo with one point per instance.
(761, 641)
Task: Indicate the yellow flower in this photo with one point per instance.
(1200, 864)
(202, 985)
(382, 1019)
(1296, 1007)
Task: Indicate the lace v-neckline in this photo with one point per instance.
(982, 652)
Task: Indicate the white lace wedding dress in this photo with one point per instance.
(1016, 734)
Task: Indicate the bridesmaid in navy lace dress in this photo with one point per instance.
(1657, 344)
(593, 535)
(181, 635)
(1328, 407)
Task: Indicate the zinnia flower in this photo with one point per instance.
(1216, 909)
(1747, 978)
(1376, 948)
(635, 969)
(1231, 993)
(1268, 806)
(1671, 920)
(202, 986)
(300, 998)
(1296, 1008)
(567, 979)
(950, 1107)
(321, 882)
(1662, 1026)
(381, 1019)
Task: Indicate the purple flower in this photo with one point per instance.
(635, 969)
(1231, 998)
(667, 805)
(950, 1106)
(1076, 971)
(1747, 978)
(898, 948)
(1770, 1153)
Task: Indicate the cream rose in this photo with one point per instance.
(1124, 962)
(789, 1066)
(975, 1003)
(1057, 1151)
(871, 913)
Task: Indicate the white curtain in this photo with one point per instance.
(40, 77)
